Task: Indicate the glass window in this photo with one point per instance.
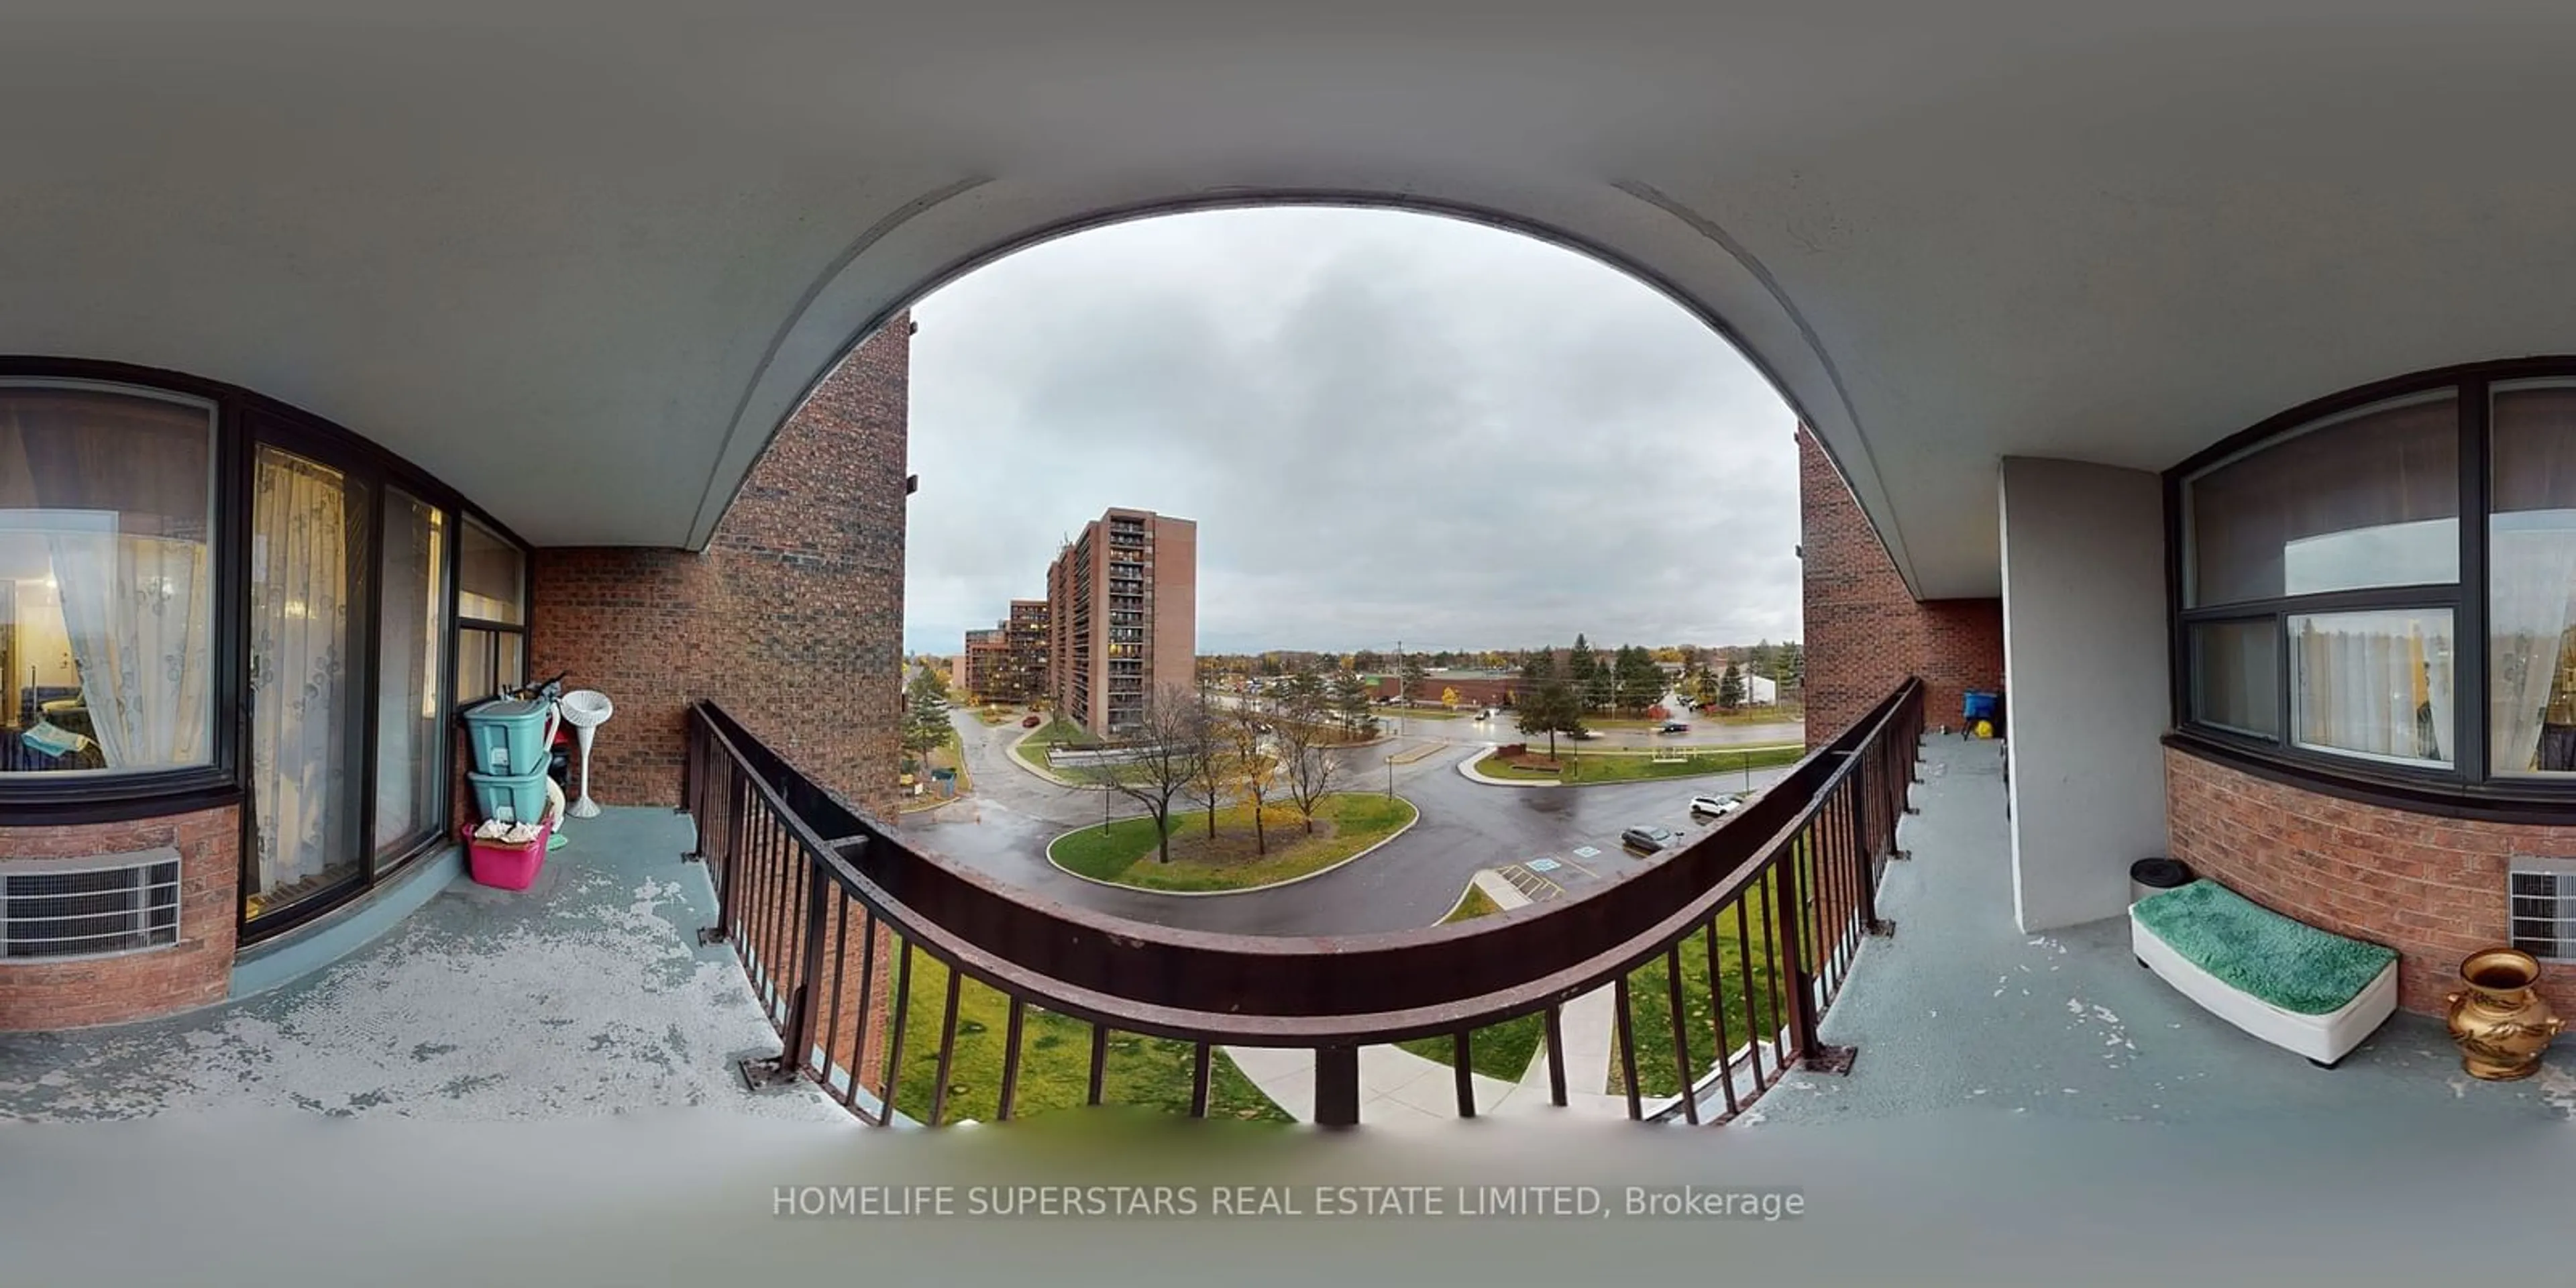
(411, 675)
(488, 662)
(106, 588)
(2236, 676)
(2531, 580)
(2367, 499)
(2375, 684)
(491, 578)
(308, 590)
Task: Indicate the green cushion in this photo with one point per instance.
(2291, 965)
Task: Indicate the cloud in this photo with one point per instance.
(1388, 426)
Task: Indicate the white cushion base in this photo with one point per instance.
(2323, 1038)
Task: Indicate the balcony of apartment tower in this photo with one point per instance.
(362, 374)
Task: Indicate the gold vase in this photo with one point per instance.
(2502, 1026)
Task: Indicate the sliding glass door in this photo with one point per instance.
(411, 679)
(309, 570)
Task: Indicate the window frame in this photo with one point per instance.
(459, 623)
(143, 793)
(243, 419)
(2466, 789)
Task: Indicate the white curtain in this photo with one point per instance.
(135, 608)
(2373, 683)
(2533, 555)
(301, 693)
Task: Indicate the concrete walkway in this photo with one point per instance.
(585, 995)
(1961, 1010)
(1399, 1088)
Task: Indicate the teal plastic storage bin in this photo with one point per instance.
(511, 798)
(509, 736)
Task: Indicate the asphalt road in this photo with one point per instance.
(1413, 881)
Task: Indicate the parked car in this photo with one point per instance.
(1716, 806)
(1030, 722)
(1647, 839)
(1674, 726)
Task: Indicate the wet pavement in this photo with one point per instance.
(1569, 835)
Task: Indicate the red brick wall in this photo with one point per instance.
(2432, 888)
(1865, 632)
(110, 990)
(792, 618)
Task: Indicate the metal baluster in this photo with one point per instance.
(1717, 1005)
(947, 1047)
(1681, 1032)
(1099, 1062)
(1010, 1061)
(1627, 1048)
(1463, 1072)
(1744, 967)
(894, 1043)
(1556, 1056)
(867, 1007)
(1199, 1082)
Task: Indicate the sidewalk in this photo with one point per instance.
(1401, 1089)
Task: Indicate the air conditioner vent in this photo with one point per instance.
(2543, 891)
(89, 907)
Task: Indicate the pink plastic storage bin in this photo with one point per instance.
(507, 867)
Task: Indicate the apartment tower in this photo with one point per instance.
(1024, 663)
(1122, 603)
(986, 654)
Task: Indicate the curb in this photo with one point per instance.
(1466, 770)
(1011, 753)
(1381, 843)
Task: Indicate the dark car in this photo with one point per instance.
(1674, 726)
(1031, 722)
(1646, 839)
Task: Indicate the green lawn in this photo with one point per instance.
(1124, 852)
(1476, 904)
(1033, 748)
(1598, 766)
(1423, 713)
(1497, 1050)
(1055, 1061)
(1651, 1000)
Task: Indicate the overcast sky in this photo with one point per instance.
(1388, 426)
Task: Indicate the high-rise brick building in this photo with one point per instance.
(986, 656)
(1026, 639)
(1122, 604)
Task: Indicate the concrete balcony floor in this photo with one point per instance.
(1960, 1010)
(585, 995)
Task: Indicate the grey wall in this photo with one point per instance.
(2085, 683)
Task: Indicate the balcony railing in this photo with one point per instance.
(828, 913)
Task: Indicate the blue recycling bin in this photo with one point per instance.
(1978, 705)
(508, 736)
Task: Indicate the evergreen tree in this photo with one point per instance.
(1551, 708)
(925, 723)
(1350, 703)
(1730, 689)
(1412, 673)
(1639, 682)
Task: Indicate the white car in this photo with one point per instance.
(1715, 806)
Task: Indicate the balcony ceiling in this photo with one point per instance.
(581, 261)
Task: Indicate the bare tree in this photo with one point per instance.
(1248, 755)
(1211, 753)
(1306, 753)
(1159, 763)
